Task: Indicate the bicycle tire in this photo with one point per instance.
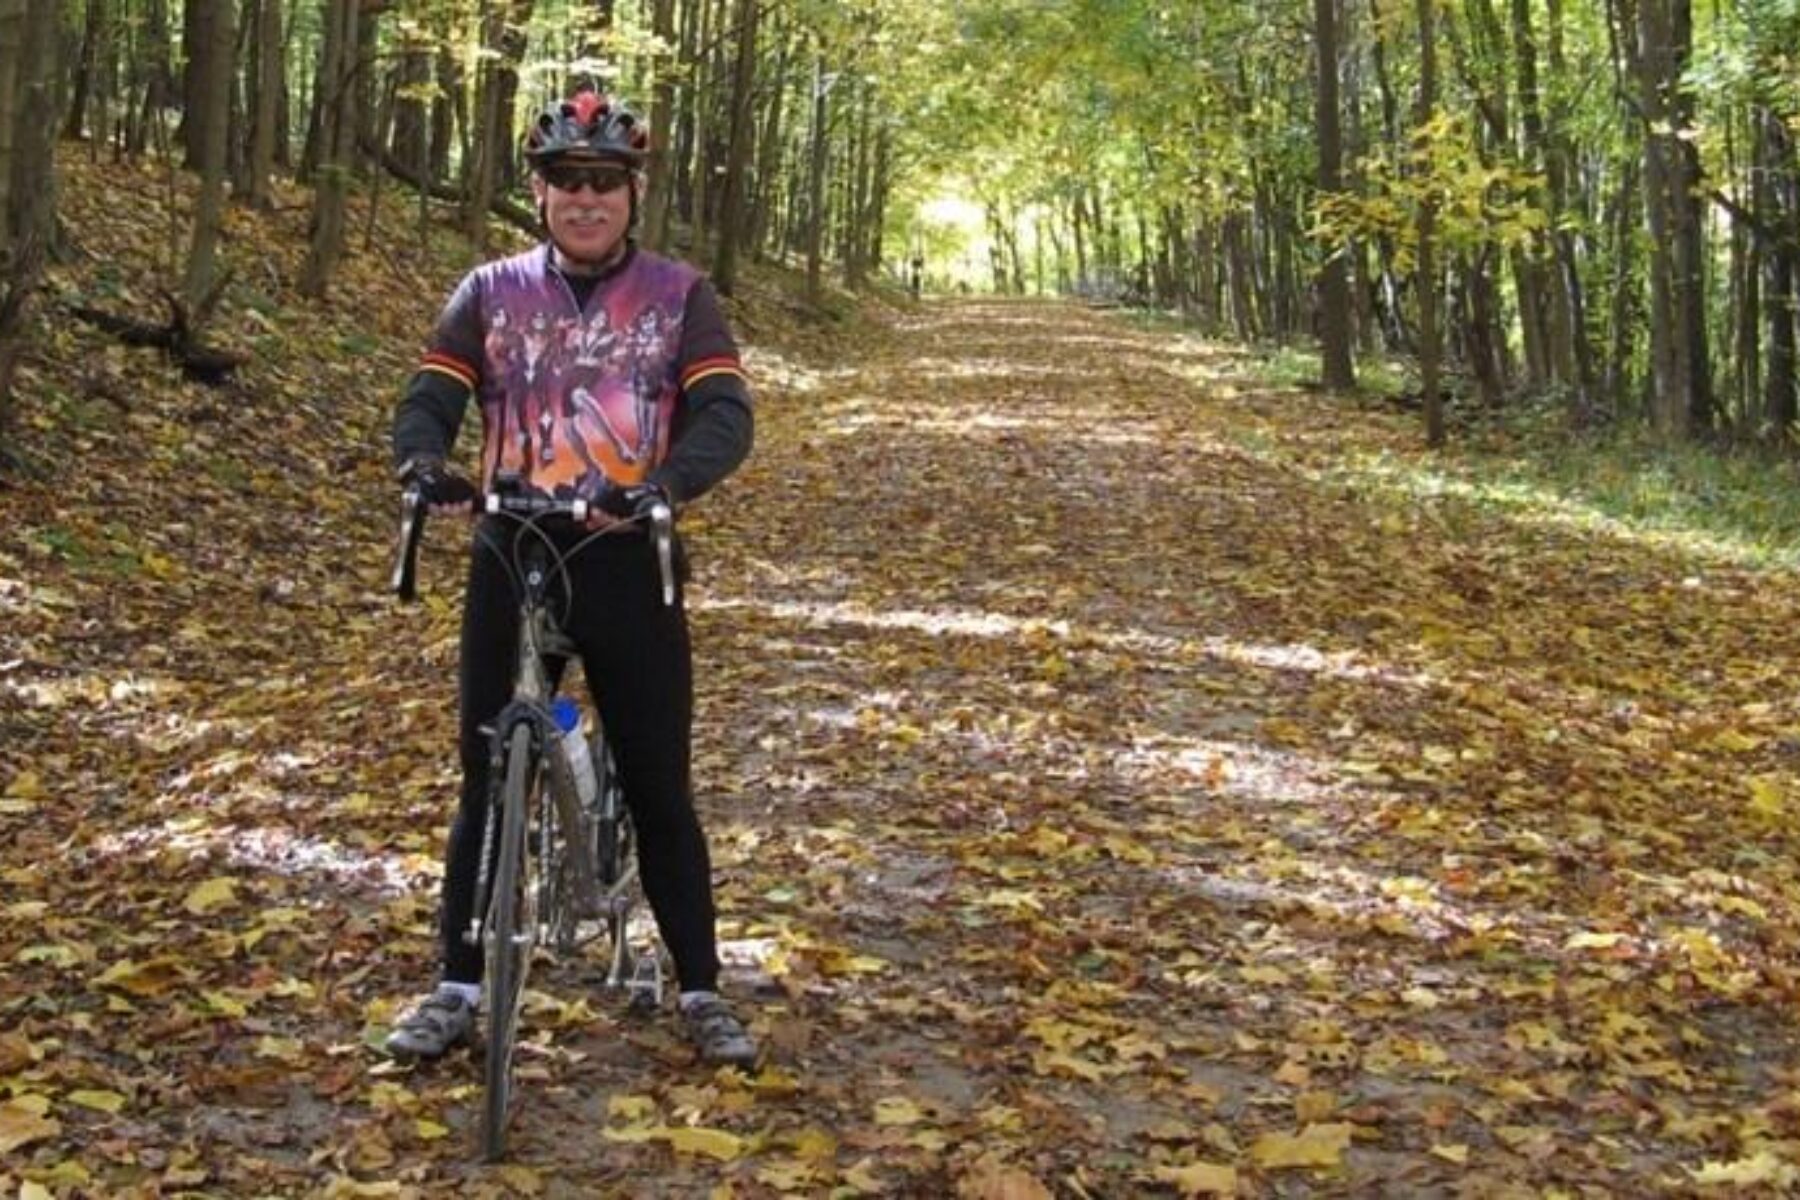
(507, 948)
(613, 827)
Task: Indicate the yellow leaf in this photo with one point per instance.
(1760, 1168)
(523, 1180)
(20, 1125)
(106, 1102)
(1314, 1106)
(25, 786)
(288, 1050)
(1314, 1146)
(788, 1177)
(216, 893)
(1588, 940)
(223, 1005)
(1768, 797)
(813, 1143)
(1454, 1152)
(1067, 1064)
(34, 1191)
(897, 1110)
(429, 1131)
(631, 1109)
(714, 1143)
(863, 1179)
(991, 1179)
(1201, 1179)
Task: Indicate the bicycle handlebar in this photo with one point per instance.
(528, 510)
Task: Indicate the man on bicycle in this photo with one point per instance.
(607, 373)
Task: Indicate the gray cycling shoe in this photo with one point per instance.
(720, 1037)
(435, 1024)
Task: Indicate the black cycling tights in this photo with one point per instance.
(636, 656)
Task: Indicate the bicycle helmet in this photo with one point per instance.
(587, 123)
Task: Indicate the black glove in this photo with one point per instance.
(436, 483)
(634, 501)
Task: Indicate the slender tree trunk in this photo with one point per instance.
(661, 192)
(34, 137)
(213, 89)
(12, 54)
(483, 172)
(815, 189)
(731, 218)
(768, 168)
(270, 72)
(1781, 272)
(1337, 367)
(338, 129)
(87, 64)
(1427, 221)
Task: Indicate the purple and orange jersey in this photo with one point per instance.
(575, 397)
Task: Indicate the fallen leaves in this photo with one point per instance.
(1314, 1146)
(1186, 858)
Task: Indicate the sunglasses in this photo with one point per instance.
(604, 178)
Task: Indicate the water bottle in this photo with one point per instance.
(575, 751)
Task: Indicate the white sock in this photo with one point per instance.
(689, 999)
(470, 992)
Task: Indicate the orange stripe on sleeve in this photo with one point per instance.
(719, 365)
(455, 368)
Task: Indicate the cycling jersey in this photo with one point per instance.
(638, 379)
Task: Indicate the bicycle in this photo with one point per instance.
(532, 887)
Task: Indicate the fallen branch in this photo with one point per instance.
(511, 211)
(202, 363)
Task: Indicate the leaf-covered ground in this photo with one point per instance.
(1120, 783)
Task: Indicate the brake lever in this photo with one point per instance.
(662, 528)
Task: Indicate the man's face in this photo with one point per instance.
(587, 204)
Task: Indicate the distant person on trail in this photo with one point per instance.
(607, 373)
(917, 282)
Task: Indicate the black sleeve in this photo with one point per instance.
(717, 425)
(431, 412)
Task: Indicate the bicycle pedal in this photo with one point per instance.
(644, 990)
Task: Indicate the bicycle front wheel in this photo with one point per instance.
(508, 943)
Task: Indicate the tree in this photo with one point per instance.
(732, 215)
(1339, 370)
(214, 91)
(267, 77)
(1426, 275)
(336, 106)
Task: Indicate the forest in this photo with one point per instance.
(1592, 205)
(1252, 655)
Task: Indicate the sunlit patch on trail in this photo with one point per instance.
(272, 848)
(1346, 665)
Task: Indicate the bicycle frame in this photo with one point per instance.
(523, 898)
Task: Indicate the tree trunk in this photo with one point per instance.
(815, 190)
(701, 94)
(731, 216)
(87, 65)
(1682, 389)
(661, 190)
(1427, 221)
(768, 168)
(12, 54)
(1337, 368)
(482, 171)
(270, 73)
(213, 89)
(337, 123)
(1781, 268)
(33, 200)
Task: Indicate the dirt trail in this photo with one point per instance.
(1112, 773)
